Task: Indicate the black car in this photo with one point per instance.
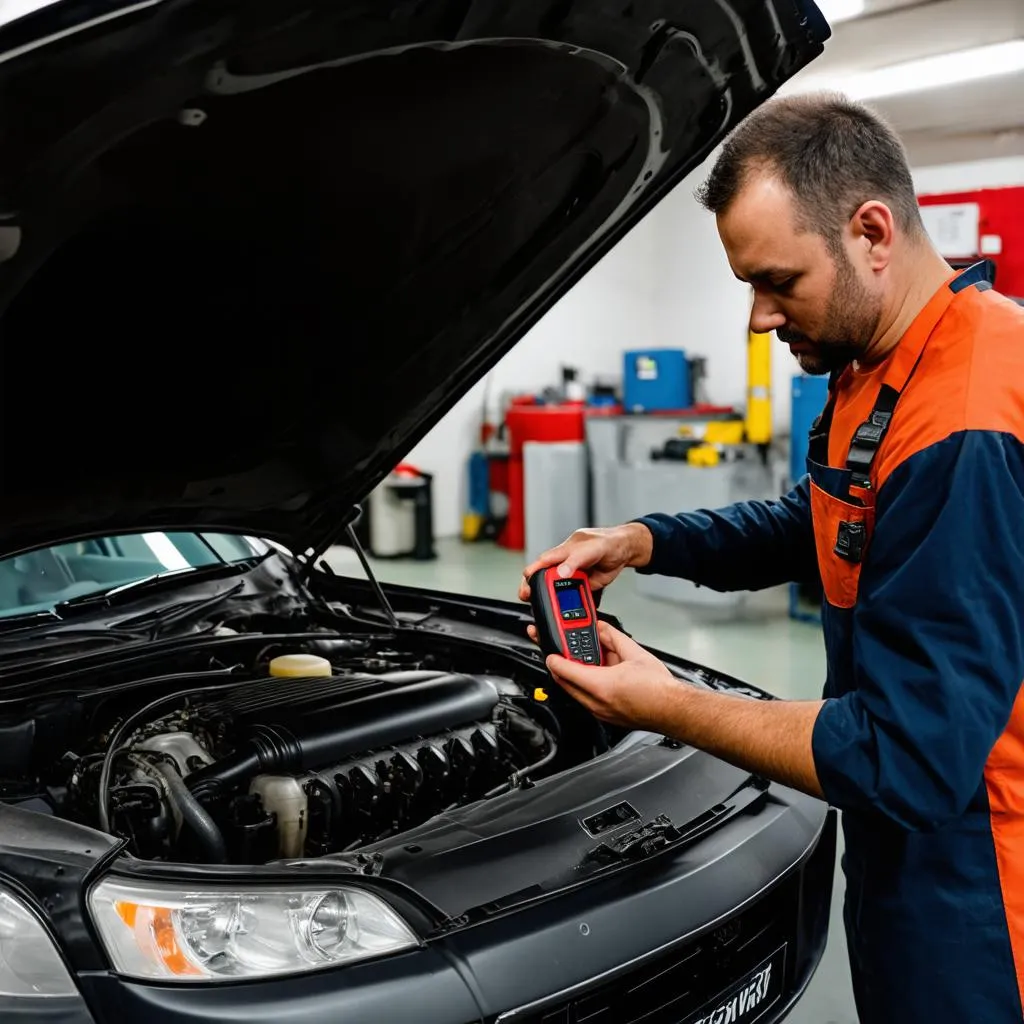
(250, 252)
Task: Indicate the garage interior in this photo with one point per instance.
(643, 391)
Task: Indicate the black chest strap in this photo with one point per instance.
(817, 438)
(868, 437)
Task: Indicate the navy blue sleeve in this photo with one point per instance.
(938, 636)
(747, 546)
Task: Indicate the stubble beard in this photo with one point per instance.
(851, 320)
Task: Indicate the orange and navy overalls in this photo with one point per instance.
(912, 515)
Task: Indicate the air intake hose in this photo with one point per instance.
(367, 723)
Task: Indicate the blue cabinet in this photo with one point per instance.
(656, 380)
(808, 398)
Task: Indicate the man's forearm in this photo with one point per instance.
(768, 738)
(746, 546)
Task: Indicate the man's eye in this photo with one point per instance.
(785, 286)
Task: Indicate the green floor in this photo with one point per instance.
(764, 646)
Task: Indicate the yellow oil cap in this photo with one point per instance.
(299, 666)
(540, 694)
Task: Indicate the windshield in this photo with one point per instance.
(39, 580)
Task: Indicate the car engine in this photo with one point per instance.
(309, 762)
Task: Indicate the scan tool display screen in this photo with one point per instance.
(570, 599)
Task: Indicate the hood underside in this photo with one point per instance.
(252, 250)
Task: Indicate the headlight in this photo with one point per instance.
(30, 966)
(215, 934)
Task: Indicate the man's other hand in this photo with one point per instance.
(632, 688)
(601, 552)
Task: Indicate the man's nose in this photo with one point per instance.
(765, 316)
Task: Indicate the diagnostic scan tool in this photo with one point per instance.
(565, 615)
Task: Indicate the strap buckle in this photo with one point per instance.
(868, 437)
(873, 430)
(851, 540)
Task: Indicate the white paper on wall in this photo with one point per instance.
(954, 228)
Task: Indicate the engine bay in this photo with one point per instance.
(304, 747)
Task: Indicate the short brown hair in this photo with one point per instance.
(834, 155)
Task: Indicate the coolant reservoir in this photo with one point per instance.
(285, 797)
(299, 666)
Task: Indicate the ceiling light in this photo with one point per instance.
(925, 73)
(840, 10)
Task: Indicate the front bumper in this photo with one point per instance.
(619, 950)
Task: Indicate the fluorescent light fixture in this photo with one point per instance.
(840, 10)
(924, 73)
(12, 10)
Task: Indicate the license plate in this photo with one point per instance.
(750, 998)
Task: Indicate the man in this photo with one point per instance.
(913, 515)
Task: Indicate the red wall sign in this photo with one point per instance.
(1002, 215)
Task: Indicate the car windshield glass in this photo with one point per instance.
(40, 580)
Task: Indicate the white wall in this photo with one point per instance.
(1007, 172)
(609, 310)
(702, 308)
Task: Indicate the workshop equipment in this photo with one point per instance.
(573, 389)
(401, 515)
(643, 464)
(698, 381)
(808, 397)
(565, 615)
(525, 422)
(555, 492)
(478, 506)
(656, 379)
(616, 442)
(759, 389)
(676, 486)
(755, 428)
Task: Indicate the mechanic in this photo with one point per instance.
(913, 515)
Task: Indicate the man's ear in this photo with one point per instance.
(873, 227)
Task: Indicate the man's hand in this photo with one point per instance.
(602, 552)
(771, 738)
(632, 688)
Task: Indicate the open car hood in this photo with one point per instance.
(251, 251)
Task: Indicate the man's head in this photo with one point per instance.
(814, 198)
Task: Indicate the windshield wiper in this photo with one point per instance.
(27, 620)
(159, 581)
(146, 627)
(51, 627)
(23, 628)
(14, 627)
(156, 622)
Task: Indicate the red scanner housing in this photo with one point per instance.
(565, 615)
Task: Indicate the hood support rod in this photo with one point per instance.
(350, 531)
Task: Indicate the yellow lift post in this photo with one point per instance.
(759, 389)
(756, 426)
